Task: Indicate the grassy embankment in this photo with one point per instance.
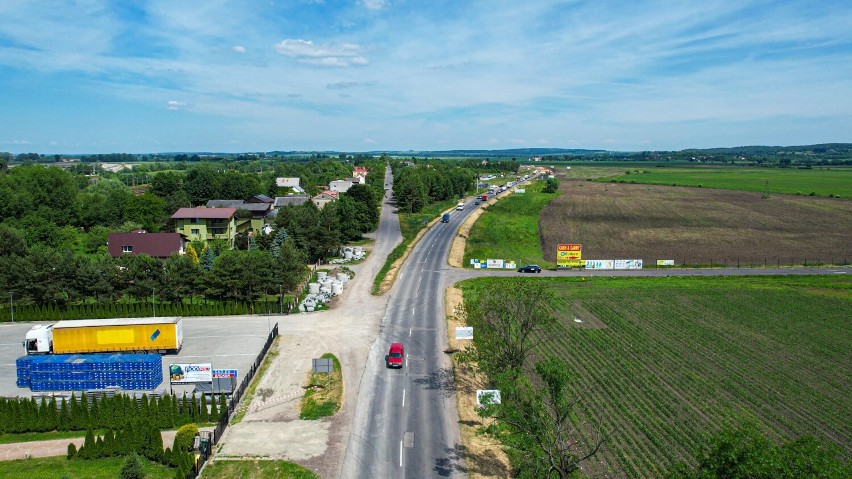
(664, 361)
(324, 394)
(508, 229)
(78, 469)
(256, 470)
(835, 182)
(410, 224)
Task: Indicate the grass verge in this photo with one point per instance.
(60, 467)
(264, 366)
(324, 393)
(508, 229)
(227, 469)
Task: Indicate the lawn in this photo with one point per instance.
(815, 182)
(256, 470)
(662, 362)
(509, 229)
(324, 394)
(59, 467)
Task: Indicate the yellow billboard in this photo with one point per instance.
(568, 255)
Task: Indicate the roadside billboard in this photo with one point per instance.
(628, 264)
(568, 252)
(665, 262)
(600, 264)
(190, 373)
(494, 263)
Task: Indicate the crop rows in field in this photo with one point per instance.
(680, 358)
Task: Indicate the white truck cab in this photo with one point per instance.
(39, 340)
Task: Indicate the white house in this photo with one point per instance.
(340, 186)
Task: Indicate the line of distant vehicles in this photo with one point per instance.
(492, 191)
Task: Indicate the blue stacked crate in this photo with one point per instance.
(22, 365)
(91, 371)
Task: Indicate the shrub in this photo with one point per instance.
(132, 468)
(72, 451)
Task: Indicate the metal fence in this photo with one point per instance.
(232, 405)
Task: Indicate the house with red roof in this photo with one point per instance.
(207, 223)
(155, 245)
(324, 198)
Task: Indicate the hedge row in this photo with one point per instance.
(53, 312)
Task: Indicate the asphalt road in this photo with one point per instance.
(406, 422)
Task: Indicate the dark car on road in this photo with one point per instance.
(530, 268)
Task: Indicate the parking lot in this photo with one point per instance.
(225, 341)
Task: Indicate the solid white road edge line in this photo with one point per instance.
(403, 398)
(400, 453)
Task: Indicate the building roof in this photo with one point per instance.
(332, 194)
(239, 204)
(291, 200)
(156, 245)
(260, 199)
(207, 213)
(286, 182)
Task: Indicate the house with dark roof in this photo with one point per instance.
(207, 223)
(155, 245)
(251, 215)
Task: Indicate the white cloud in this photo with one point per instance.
(238, 49)
(369, 141)
(375, 4)
(306, 51)
(174, 105)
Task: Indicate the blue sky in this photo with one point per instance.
(100, 76)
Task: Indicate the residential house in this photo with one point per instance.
(340, 186)
(251, 216)
(207, 223)
(358, 180)
(155, 245)
(294, 200)
(359, 171)
(287, 182)
(324, 198)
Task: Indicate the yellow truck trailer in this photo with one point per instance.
(162, 335)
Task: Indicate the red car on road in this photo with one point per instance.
(395, 356)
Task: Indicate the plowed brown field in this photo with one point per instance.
(696, 225)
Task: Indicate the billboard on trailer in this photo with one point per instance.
(190, 373)
(568, 252)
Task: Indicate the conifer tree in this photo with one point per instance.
(190, 251)
(204, 415)
(52, 415)
(223, 404)
(109, 444)
(100, 450)
(94, 413)
(64, 422)
(214, 409)
(132, 468)
(88, 445)
(72, 451)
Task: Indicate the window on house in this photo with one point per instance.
(217, 231)
(195, 231)
(127, 249)
(196, 221)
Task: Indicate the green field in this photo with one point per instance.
(819, 181)
(508, 229)
(59, 467)
(664, 361)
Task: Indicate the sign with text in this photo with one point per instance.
(665, 262)
(190, 373)
(600, 264)
(628, 264)
(494, 263)
(568, 252)
(485, 397)
(464, 332)
(225, 373)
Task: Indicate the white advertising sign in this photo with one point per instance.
(600, 264)
(520, 190)
(628, 264)
(511, 265)
(464, 332)
(190, 373)
(495, 263)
